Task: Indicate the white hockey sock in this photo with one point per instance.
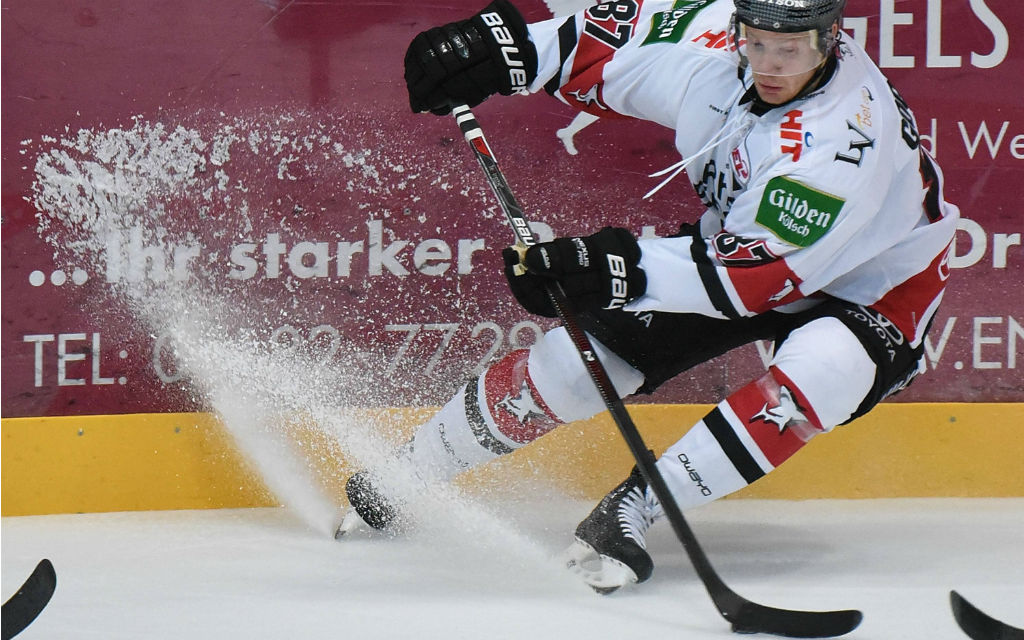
(491, 415)
(519, 398)
(745, 437)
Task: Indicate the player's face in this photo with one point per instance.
(780, 89)
(782, 63)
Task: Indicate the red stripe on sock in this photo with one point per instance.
(766, 419)
(513, 402)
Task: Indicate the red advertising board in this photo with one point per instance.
(207, 193)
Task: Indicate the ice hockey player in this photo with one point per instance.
(825, 230)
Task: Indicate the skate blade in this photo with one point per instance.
(602, 573)
(349, 523)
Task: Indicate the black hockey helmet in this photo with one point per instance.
(792, 16)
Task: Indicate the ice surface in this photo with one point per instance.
(264, 573)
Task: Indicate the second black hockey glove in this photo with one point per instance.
(600, 271)
(468, 61)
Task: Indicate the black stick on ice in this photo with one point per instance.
(977, 624)
(25, 605)
(745, 616)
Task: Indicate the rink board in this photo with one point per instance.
(327, 219)
(189, 460)
(315, 214)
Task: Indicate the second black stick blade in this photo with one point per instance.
(977, 624)
(25, 605)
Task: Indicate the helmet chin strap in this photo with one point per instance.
(741, 70)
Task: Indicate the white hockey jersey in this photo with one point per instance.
(828, 194)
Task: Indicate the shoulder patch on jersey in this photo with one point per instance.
(668, 26)
(796, 213)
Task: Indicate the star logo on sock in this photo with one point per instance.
(522, 406)
(783, 413)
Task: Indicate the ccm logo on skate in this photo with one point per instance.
(511, 53)
(620, 289)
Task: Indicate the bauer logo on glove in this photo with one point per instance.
(467, 61)
(599, 271)
(619, 281)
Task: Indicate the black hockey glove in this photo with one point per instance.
(599, 271)
(468, 61)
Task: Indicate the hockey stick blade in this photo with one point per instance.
(745, 616)
(25, 605)
(750, 617)
(977, 624)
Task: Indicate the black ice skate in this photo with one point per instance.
(368, 506)
(610, 546)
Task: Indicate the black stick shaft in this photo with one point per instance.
(641, 454)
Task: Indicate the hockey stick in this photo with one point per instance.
(25, 605)
(977, 624)
(745, 616)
